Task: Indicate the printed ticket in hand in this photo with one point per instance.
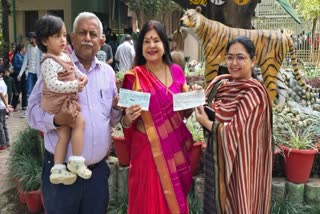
(128, 98)
(188, 100)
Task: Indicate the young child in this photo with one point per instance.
(61, 80)
(4, 109)
(11, 88)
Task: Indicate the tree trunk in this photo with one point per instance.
(5, 31)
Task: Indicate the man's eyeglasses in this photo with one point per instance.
(240, 58)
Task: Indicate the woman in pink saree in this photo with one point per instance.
(160, 174)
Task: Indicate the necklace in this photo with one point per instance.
(165, 76)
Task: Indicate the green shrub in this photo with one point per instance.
(25, 159)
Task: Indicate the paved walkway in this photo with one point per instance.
(15, 124)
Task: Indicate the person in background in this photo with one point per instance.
(4, 109)
(21, 86)
(178, 58)
(98, 104)
(125, 54)
(11, 88)
(238, 159)
(159, 141)
(114, 45)
(31, 63)
(105, 52)
(69, 47)
(11, 53)
(178, 38)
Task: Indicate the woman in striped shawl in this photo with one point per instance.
(238, 161)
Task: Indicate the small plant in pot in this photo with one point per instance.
(197, 134)
(298, 144)
(120, 145)
(25, 165)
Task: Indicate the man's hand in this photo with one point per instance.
(115, 101)
(67, 114)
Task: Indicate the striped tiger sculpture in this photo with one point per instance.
(271, 48)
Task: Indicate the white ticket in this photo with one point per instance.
(129, 97)
(188, 100)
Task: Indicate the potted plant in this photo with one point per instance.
(120, 146)
(25, 164)
(197, 134)
(297, 141)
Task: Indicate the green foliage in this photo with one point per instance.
(151, 6)
(285, 207)
(25, 159)
(309, 9)
(119, 76)
(118, 203)
(194, 207)
(195, 128)
(310, 71)
(4, 47)
(295, 134)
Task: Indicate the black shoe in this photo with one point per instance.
(24, 108)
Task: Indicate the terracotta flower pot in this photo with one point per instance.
(41, 134)
(21, 193)
(22, 196)
(122, 150)
(298, 164)
(33, 201)
(42, 201)
(195, 157)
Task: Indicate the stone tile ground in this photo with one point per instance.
(9, 202)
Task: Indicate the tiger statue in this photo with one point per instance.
(271, 48)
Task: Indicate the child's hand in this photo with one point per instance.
(83, 79)
(80, 85)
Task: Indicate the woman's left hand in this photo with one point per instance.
(202, 118)
(131, 114)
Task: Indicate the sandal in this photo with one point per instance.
(78, 167)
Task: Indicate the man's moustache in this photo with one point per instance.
(87, 44)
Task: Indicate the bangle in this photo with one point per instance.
(122, 124)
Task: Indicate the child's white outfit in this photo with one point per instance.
(60, 83)
(4, 136)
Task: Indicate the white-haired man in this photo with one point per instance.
(98, 103)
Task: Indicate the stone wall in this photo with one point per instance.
(307, 194)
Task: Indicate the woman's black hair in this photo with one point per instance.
(18, 48)
(47, 26)
(248, 45)
(139, 58)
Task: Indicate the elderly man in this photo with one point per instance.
(98, 103)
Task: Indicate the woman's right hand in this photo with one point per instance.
(202, 118)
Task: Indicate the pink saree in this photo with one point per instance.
(160, 174)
